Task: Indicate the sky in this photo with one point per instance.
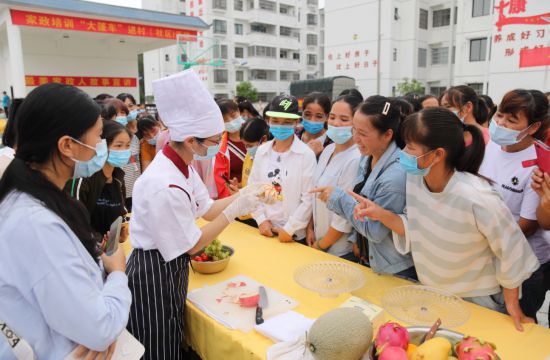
(137, 3)
(127, 3)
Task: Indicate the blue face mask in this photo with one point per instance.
(211, 151)
(252, 151)
(313, 127)
(409, 163)
(153, 140)
(122, 120)
(281, 132)
(339, 134)
(85, 169)
(234, 125)
(119, 158)
(133, 115)
(503, 136)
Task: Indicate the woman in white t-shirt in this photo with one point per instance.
(337, 167)
(522, 117)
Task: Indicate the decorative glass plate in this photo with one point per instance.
(329, 278)
(423, 305)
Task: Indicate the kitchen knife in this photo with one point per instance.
(262, 303)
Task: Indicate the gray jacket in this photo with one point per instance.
(386, 187)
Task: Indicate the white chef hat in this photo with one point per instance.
(186, 107)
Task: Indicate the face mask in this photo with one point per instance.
(312, 127)
(119, 158)
(153, 140)
(281, 132)
(456, 113)
(211, 151)
(133, 115)
(252, 151)
(503, 136)
(122, 120)
(234, 125)
(409, 163)
(84, 169)
(339, 134)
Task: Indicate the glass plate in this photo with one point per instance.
(423, 305)
(329, 278)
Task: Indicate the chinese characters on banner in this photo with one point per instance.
(36, 80)
(352, 60)
(523, 32)
(63, 22)
(196, 9)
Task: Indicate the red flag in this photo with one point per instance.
(534, 57)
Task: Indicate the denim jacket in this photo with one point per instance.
(386, 187)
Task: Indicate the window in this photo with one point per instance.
(284, 76)
(440, 55)
(296, 76)
(258, 75)
(396, 14)
(223, 49)
(220, 76)
(423, 19)
(310, 76)
(220, 27)
(239, 75)
(311, 19)
(258, 28)
(394, 54)
(286, 10)
(478, 49)
(238, 5)
(313, 2)
(239, 52)
(283, 54)
(311, 59)
(478, 87)
(285, 31)
(166, 57)
(481, 7)
(220, 4)
(422, 57)
(238, 29)
(441, 18)
(262, 51)
(437, 90)
(250, 4)
(311, 39)
(296, 56)
(268, 5)
(220, 96)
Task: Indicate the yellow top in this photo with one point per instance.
(247, 168)
(272, 263)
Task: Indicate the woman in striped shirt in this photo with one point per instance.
(462, 236)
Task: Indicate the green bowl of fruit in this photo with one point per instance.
(212, 259)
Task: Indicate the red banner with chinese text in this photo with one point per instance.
(63, 22)
(99, 81)
(534, 57)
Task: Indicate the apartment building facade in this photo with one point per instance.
(269, 43)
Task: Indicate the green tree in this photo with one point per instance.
(247, 90)
(410, 86)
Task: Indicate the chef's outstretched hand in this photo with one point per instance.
(264, 191)
(242, 205)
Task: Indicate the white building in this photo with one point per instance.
(269, 43)
(380, 43)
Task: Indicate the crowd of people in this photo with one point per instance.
(431, 189)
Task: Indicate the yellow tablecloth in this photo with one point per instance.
(273, 264)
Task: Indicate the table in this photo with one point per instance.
(273, 263)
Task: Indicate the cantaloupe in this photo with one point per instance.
(340, 334)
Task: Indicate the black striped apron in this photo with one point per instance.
(159, 291)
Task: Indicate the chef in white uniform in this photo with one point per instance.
(167, 200)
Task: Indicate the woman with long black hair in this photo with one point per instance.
(52, 291)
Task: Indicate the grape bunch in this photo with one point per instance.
(215, 251)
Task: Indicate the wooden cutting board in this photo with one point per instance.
(220, 301)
